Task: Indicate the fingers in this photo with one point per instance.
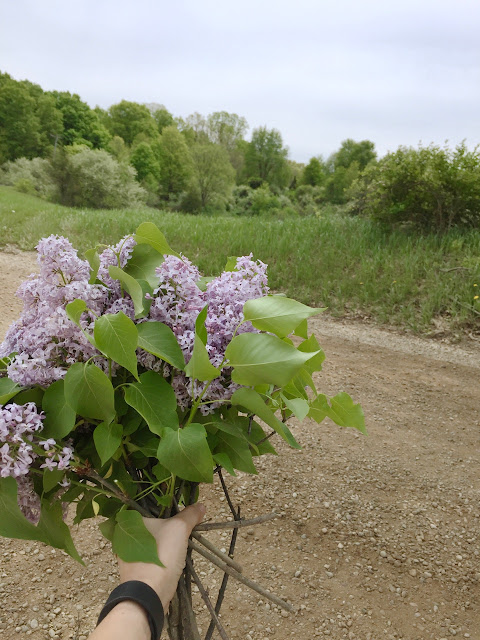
(192, 515)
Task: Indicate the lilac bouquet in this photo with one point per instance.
(130, 379)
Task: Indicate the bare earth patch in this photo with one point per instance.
(379, 536)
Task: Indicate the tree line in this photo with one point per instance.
(55, 145)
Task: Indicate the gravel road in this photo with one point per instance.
(379, 535)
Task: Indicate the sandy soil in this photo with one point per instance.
(379, 535)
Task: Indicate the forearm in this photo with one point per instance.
(127, 620)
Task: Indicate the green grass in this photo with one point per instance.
(351, 265)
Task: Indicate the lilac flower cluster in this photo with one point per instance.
(21, 446)
(18, 426)
(47, 342)
(177, 302)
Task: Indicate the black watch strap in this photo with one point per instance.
(142, 594)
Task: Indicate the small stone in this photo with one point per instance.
(329, 574)
(383, 554)
(34, 623)
(298, 573)
(285, 614)
(413, 572)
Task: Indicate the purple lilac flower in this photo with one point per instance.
(18, 426)
(115, 256)
(28, 500)
(177, 299)
(177, 302)
(44, 338)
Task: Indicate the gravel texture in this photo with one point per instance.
(378, 536)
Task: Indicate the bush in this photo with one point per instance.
(30, 176)
(430, 187)
(309, 199)
(93, 178)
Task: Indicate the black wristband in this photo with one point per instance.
(142, 594)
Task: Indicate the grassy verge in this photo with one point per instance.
(352, 266)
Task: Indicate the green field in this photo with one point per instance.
(350, 265)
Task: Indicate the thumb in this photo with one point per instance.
(192, 515)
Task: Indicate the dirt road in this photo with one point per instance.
(379, 536)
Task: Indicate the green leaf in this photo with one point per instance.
(148, 233)
(302, 330)
(311, 346)
(8, 389)
(93, 259)
(131, 422)
(254, 403)
(107, 438)
(51, 478)
(342, 411)
(13, 524)
(199, 366)
(160, 472)
(203, 282)
(277, 314)
(34, 395)
(147, 302)
(185, 453)
(238, 451)
(298, 406)
(132, 541)
(154, 399)
(224, 461)
(59, 416)
(4, 362)
(116, 337)
(131, 286)
(319, 408)
(231, 263)
(75, 309)
(347, 414)
(159, 340)
(107, 528)
(259, 358)
(232, 429)
(257, 434)
(164, 501)
(200, 329)
(89, 392)
(56, 532)
(143, 262)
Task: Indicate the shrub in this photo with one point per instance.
(430, 187)
(309, 199)
(30, 176)
(93, 178)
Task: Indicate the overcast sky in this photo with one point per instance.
(319, 71)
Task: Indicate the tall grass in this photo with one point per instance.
(351, 265)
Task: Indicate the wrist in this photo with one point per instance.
(158, 586)
(132, 615)
(148, 609)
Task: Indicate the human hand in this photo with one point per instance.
(172, 536)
